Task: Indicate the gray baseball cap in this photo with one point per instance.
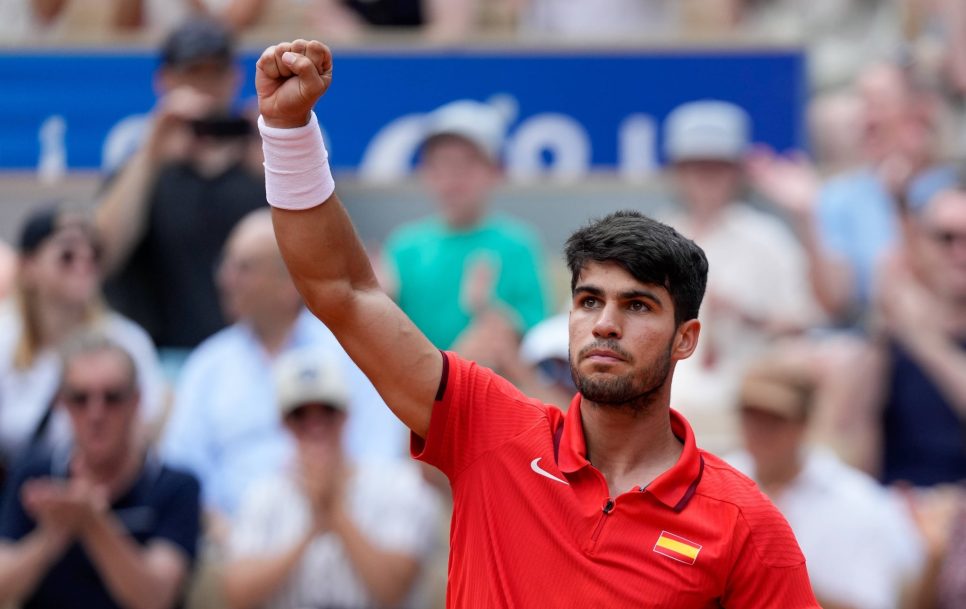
(706, 130)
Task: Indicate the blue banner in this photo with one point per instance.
(568, 112)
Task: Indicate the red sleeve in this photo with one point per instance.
(768, 568)
(476, 411)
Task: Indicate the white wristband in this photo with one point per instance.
(297, 174)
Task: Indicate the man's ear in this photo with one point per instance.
(686, 339)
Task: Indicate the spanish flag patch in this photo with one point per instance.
(678, 548)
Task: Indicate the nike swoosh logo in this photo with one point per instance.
(535, 466)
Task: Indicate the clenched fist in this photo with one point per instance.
(290, 77)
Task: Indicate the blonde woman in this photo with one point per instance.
(57, 293)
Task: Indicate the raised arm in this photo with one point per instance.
(320, 246)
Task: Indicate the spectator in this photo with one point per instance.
(224, 425)
(57, 295)
(463, 261)
(165, 15)
(444, 20)
(861, 545)
(905, 420)
(602, 20)
(23, 20)
(329, 533)
(757, 281)
(848, 225)
(103, 525)
(165, 216)
(840, 36)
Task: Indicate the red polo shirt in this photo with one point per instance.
(534, 527)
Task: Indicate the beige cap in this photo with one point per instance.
(779, 387)
(707, 130)
(309, 376)
(483, 125)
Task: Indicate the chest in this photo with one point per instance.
(559, 540)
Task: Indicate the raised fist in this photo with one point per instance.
(290, 77)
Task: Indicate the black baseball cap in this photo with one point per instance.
(46, 220)
(197, 40)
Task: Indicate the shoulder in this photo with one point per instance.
(125, 331)
(466, 379)
(760, 226)
(846, 185)
(413, 234)
(214, 348)
(387, 479)
(842, 481)
(513, 230)
(269, 494)
(35, 464)
(179, 482)
(757, 521)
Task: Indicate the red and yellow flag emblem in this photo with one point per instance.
(678, 548)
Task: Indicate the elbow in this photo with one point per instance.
(393, 589)
(234, 593)
(391, 595)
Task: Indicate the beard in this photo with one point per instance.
(634, 391)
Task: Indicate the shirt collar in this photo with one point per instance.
(674, 488)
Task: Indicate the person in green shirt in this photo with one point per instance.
(464, 270)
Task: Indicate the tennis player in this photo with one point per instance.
(608, 505)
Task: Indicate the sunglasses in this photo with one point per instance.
(304, 412)
(68, 256)
(947, 238)
(80, 399)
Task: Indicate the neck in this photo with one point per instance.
(629, 447)
(112, 474)
(57, 321)
(273, 331)
(467, 222)
(774, 476)
(705, 217)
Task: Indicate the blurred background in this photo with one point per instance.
(814, 149)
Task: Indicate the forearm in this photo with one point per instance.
(388, 576)
(48, 10)
(125, 568)
(251, 582)
(830, 279)
(122, 215)
(325, 257)
(24, 564)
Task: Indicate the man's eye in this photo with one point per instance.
(589, 303)
(637, 305)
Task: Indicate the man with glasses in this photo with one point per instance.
(912, 431)
(102, 525)
(328, 532)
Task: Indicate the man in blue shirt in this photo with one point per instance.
(104, 526)
(224, 426)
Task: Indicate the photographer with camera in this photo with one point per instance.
(166, 214)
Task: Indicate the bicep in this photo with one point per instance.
(331, 270)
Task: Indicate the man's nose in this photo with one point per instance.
(607, 323)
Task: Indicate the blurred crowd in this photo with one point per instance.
(176, 429)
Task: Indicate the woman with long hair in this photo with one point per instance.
(57, 293)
